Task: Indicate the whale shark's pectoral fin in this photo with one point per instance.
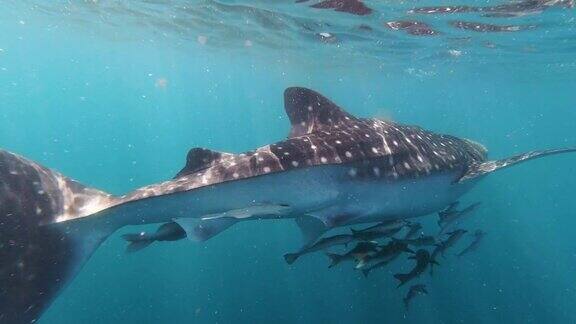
(201, 230)
(311, 228)
(491, 166)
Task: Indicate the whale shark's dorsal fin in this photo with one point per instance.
(200, 158)
(310, 111)
(491, 166)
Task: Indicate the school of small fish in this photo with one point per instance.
(377, 246)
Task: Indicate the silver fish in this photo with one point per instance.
(323, 244)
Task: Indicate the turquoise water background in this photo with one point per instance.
(119, 111)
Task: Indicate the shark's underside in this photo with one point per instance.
(334, 169)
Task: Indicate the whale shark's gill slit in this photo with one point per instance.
(481, 169)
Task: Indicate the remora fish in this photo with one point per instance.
(414, 291)
(478, 236)
(441, 247)
(366, 270)
(357, 253)
(423, 240)
(452, 216)
(423, 259)
(383, 226)
(453, 237)
(413, 229)
(323, 244)
(334, 168)
(167, 232)
(390, 250)
(374, 235)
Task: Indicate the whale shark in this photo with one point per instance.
(334, 169)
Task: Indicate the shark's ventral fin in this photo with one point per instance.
(491, 166)
(200, 158)
(309, 111)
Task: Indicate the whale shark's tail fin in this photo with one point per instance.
(39, 252)
(491, 166)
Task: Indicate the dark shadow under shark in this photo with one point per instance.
(334, 169)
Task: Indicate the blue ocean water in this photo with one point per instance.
(114, 94)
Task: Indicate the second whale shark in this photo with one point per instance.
(334, 169)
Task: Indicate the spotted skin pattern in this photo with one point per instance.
(324, 134)
(36, 259)
(50, 224)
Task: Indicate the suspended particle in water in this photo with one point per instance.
(161, 83)
(248, 43)
(202, 39)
